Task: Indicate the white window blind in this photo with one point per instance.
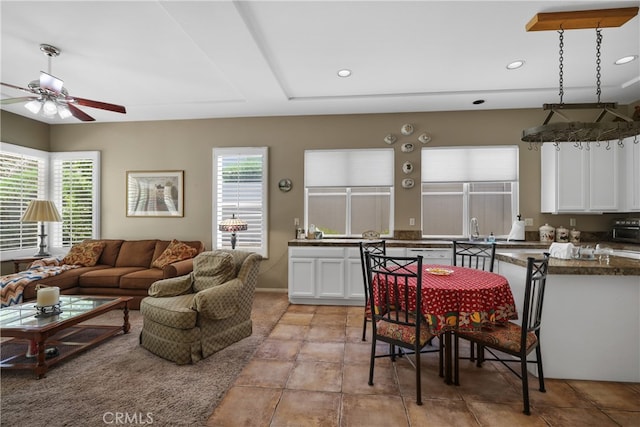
(22, 179)
(240, 184)
(348, 168)
(75, 179)
(469, 164)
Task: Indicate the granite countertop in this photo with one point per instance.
(617, 266)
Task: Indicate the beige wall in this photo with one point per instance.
(187, 145)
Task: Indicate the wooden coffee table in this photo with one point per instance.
(65, 331)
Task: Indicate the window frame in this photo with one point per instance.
(219, 238)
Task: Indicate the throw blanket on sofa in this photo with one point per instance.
(13, 284)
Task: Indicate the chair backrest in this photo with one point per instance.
(535, 285)
(395, 285)
(376, 247)
(478, 255)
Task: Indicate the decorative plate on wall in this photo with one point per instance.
(407, 183)
(424, 138)
(407, 147)
(284, 185)
(407, 167)
(407, 129)
(390, 139)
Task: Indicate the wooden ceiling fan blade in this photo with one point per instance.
(24, 89)
(49, 82)
(79, 114)
(98, 104)
(16, 100)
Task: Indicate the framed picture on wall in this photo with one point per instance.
(155, 193)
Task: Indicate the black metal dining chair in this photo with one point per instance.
(376, 247)
(476, 255)
(393, 321)
(515, 340)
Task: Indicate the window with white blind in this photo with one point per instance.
(75, 178)
(240, 187)
(349, 191)
(69, 179)
(460, 183)
(23, 173)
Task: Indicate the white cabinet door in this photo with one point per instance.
(579, 180)
(603, 178)
(355, 279)
(630, 176)
(301, 277)
(432, 256)
(330, 277)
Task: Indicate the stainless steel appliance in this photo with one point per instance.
(626, 230)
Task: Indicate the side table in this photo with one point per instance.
(18, 261)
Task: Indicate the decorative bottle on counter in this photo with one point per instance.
(562, 235)
(547, 233)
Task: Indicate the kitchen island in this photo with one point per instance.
(591, 316)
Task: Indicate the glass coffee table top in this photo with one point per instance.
(24, 315)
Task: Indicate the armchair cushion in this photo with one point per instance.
(219, 302)
(171, 287)
(212, 269)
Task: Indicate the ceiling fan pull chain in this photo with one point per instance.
(598, 68)
(561, 66)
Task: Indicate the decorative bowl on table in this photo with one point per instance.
(436, 271)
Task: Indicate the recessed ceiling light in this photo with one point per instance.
(478, 102)
(626, 59)
(515, 64)
(344, 72)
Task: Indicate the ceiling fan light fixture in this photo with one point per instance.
(33, 106)
(64, 112)
(626, 59)
(49, 108)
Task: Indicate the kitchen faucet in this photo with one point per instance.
(474, 229)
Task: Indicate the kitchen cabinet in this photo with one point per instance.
(432, 255)
(579, 180)
(630, 184)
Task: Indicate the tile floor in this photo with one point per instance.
(313, 370)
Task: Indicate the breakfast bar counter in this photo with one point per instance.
(591, 316)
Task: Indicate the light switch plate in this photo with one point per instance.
(528, 221)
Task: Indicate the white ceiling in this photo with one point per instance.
(202, 59)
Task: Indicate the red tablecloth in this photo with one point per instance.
(465, 299)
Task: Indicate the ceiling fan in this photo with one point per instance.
(49, 95)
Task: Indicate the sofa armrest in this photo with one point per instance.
(178, 268)
(219, 302)
(171, 287)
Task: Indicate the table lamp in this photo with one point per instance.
(41, 211)
(233, 225)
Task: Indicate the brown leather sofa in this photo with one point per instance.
(123, 269)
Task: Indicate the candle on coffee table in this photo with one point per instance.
(48, 296)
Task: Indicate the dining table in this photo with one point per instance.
(457, 298)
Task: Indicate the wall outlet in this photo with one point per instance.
(296, 221)
(572, 222)
(528, 221)
(412, 221)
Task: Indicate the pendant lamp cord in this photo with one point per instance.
(561, 65)
(598, 68)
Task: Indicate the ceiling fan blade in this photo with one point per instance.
(98, 104)
(24, 89)
(49, 82)
(15, 100)
(79, 114)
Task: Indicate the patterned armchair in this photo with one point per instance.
(190, 317)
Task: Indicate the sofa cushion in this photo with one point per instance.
(175, 251)
(174, 312)
(212, 269)
(110, 251)
(141, 279)
(161, 245)
(136, 253)
(105, 278)
(85, 254)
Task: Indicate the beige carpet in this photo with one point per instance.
(121, 379)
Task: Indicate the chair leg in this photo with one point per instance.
(456, 360)
(364, 329)
(372, 360)
(441, 355)
(418, 383)
(540, 373)
(472, 352)
(480, 358)
(525, 384)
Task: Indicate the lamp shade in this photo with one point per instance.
(41, 210)
(232, 224)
